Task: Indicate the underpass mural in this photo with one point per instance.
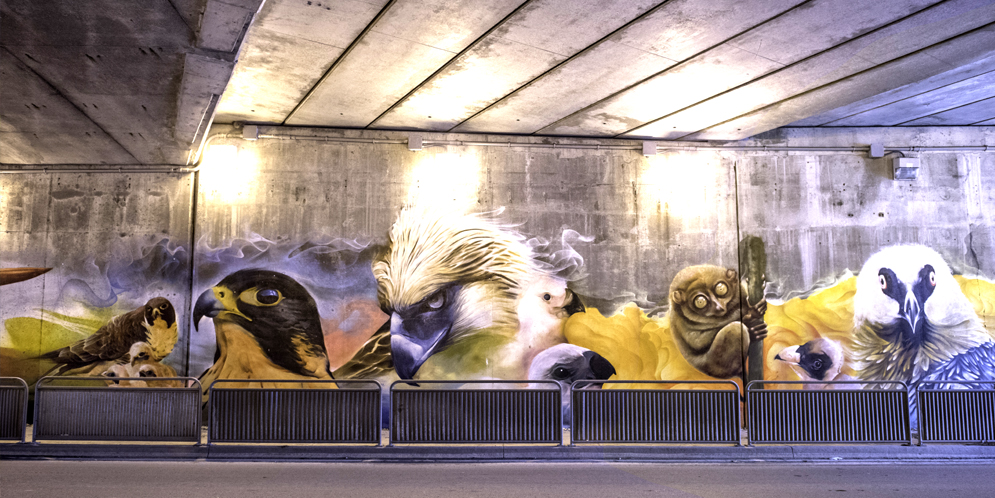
(450, 295)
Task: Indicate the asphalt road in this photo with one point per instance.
(70, 479)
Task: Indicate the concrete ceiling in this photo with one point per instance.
(137, 81)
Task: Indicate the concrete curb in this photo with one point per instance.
(661, 454)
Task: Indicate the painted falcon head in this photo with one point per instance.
(270, 310)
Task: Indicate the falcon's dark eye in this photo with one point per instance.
(817, 364)
(560, 373)
(268, 296)
(546, 296)
(163, 307)
(261, 297)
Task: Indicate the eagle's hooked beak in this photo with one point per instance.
(911, 310)
(789, 355)
(412, 342)
(602, 368)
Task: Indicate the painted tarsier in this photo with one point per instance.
(711, 320)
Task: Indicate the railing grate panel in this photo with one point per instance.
(116, 413)
(957, 412)
(326, 412)
(437, 416)
(827, 415)
(13, 404)
(275, 415)
(655, 416)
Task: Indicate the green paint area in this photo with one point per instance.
(25, 338)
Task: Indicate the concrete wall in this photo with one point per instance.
(320, 210)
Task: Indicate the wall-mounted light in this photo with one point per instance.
(414, 142)
(227, 172)
(649, 148)
(906, 168)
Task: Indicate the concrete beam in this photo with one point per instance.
(224, 22)
(785, 39)
(939, 58)
(676, 31)
(407, 45)
(961, 73)
(926, 104)
(926, 27)
(529, 43)
(204, 80)
(287, 49)
(968, 114)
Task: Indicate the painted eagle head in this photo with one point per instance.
(568, 363)
(909, 314)
(819, 359)
(277, 312)
(443, 279)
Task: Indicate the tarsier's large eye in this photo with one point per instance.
(721, 289)
(700, 302)
(261, 297)
(883, 282)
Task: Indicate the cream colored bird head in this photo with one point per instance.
(909, 314)
(445, 277)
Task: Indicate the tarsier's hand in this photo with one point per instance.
(753, 318)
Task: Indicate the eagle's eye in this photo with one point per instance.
(560, 373)
(817, 364)
(721, 289)
(700, 302)
(261, 297)
(546, 297)
(883, 282)
(436, 301)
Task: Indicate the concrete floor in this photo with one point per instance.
(245, 480)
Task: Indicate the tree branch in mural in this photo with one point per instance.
(818, 360)
(912, 321)
(14, 275)
(711, 330)
(150, 331)
(465, 292)
(266, 326)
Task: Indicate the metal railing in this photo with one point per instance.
(115, 413)
(828, 414)
(439, 415)
(13, 408)
(965, 415)
(654, 415)
(327, 412)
